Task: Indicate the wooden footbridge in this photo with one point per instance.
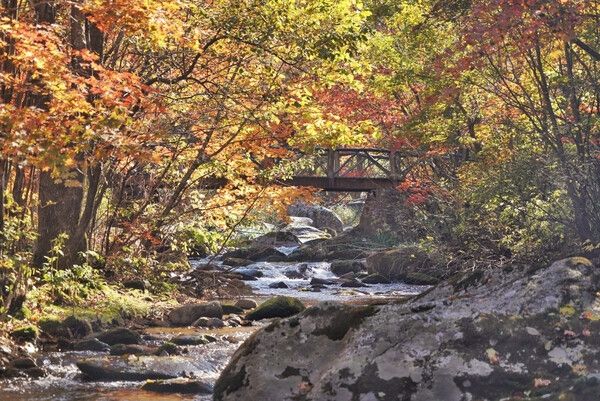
(352, 170)
(344, 170)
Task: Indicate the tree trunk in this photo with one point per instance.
(58, 213)
(60, 206)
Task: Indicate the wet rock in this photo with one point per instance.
(23, 334)
(277, 238)
(91, 344)
(135, 368)
(485, 335)
(137, 284)
(352, 283)
(237, 262)
(231, 309)
(209, 322)
(235, 321)
(23, 363)
(178, 386)
(246, 303)
(321, 282)
(168, 348)
(119, 335)
(279, 284)
(35, 372)
(132, 349)
(193, 339)
(250, 274)
(280, 306)
(78, 327)
(321, 216)
(257, 253)
(187, 314)
(375, 279)
(305, 233)
(341, 267)
(301, 271)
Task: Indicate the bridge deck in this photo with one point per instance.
(341, 184)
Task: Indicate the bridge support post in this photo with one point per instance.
(333, 165)
(394, 165)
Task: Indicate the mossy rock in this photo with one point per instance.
(26, 333)
(280, 306)
(53, 327)
(398, 263)
(77, 326)
(168, 348)
(232, 309)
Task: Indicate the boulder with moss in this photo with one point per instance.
(26, 333)
(498, 334)
(409, 263)
(280, 306)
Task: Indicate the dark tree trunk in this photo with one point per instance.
(58, 212)
(69, 209)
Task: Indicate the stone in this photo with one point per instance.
(193, 339)
(321, 281)
(279, 284)
(375, 279)
(231, 309)
(35, 372)
(91, 344)
(178, 386)
(168, 348)
(306, 234)
(54, 328)
(136, 368)
(78, 327)
(417, 278)
(132, 349)
(23, 334)
(23, 363)
(321, 216)
(409, 263)
(280, 306)
(246, 303)
(341, 267)
(187, 314)
(235, 321)
(119, 335)
(237, 262)
(257, 253)
(137, 284)
(352, 283)
(480, 335)
(209, 322)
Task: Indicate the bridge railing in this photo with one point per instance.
(354, 163)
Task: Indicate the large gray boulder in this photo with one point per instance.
(487, 335)
(321, 216)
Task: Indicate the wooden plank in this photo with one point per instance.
(341, 184)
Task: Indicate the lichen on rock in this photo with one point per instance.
(499, 335)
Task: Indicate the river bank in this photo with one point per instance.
(172, 344)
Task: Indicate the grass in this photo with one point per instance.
(108, 304)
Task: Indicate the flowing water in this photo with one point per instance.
(64, 382)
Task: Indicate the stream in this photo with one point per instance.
(64, 382)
